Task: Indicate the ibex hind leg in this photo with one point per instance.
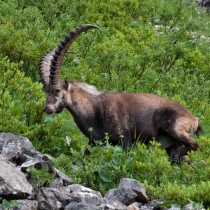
(182, 133)
(179, 150)
(186, 144)
(184, 130)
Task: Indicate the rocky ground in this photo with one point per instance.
(18, 157)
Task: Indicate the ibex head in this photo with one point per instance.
(50, 68)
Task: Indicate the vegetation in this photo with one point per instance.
(41, 176)
(7, 204)
(154, 46)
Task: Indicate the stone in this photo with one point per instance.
(53, 198)
(79, 188)
(136, 187)
(16, 148)
(203, 3)
(134, 206)
(13, 182)
(153, 205)
(190, 207)
(124, 195)
(77, 206)
(113, 206)
(66, 180)
(32, 162)
(25, 205)
(86, 195)
(58, 182)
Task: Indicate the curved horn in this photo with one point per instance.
(50, 64)
(44, 67)
(61, 51)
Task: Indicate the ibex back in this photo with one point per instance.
(126, 117)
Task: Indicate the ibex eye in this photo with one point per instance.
(57, 91)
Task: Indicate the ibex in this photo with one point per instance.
(126, 117)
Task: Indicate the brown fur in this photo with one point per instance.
(126, 116)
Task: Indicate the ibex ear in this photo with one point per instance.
(67, 85)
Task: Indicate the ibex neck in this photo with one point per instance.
(81, 104)
(81, 108)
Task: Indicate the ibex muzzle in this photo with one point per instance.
(126, 117)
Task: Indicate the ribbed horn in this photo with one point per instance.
(61, 51)
(44, 67)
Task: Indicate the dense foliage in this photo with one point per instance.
(154, 46)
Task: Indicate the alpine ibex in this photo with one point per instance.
(126, 117)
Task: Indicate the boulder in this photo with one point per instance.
(13, 183)
(136, 187)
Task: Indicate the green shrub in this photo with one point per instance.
(21, 111)
(21, 100)
(41, 177)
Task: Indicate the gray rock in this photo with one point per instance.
(53, 198)
(48, 201)
(85, 195)
(113, 206)
(78, 206)
(66, 180)
(16, 148)
(91, 199)
(30, 162)
(13, 182)
(134, 206)
(25, 205)
(136, 187)
(190, 207)
(124, 195)
(75, 188)
(58, 182)
(203, 3)
(152, 205)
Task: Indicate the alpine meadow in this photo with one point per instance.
(149, 46)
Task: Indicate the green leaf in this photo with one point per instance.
(14, 202)
(6, 204)
(45, 168)
(105, 176)
(116, 160)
